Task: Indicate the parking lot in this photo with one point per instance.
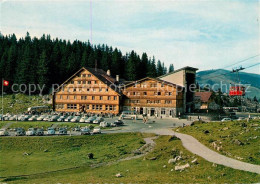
(127, 126)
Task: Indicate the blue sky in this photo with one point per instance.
(204, 34)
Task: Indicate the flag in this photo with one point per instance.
(6, 83)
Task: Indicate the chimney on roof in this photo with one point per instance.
(117, 78)
(108, 72)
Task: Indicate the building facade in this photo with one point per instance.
(89, 90)
(95, 91)
(153, 97)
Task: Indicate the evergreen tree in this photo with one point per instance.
(171, 68)
(160, 69)
(152, 68)
(43, 70)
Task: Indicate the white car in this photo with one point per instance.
(104, 124)
(46, 118)
(84, 131)
(96, 130)
(51, 131)
(40, 118)
(68, 118)
(98, 120)
(54, 118)
(90, 120)
(31, 132)
(13, 118)
(83, 119)
(226, 119)
(75, 119)
(33, 118)
(3, 132)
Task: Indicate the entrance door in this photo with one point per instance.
(152, 112)
(141, 110)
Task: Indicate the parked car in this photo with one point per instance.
(62, 131)
(98, 120)
(46, 118)
(96, 130)
(75, 119)
(77, 129)
(104, 124)
(240, 118)
(68, 118)
(40, 118)
(33, 118)
(25, 118)
(61, 118)
(54, 118)
(90, 119)
(39, 132)
(20, 117)
(20, 132)
(85, 131)
(4, 132)
(50, 131)
(83, 119)
(13, 118)
(226, 119)
(31, 132)
(119, 122)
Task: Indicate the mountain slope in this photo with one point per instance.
(223, 78)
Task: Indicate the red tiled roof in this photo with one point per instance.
(204, 96)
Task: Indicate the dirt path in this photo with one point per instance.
(194, 146)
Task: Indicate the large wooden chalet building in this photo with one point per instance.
(93, 90)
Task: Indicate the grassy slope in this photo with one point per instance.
(63, 151)
(19, 103)
(249, 135)
(150, 171)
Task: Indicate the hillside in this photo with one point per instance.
(214, 77)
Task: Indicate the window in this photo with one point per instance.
(83, 82)
(79, 82)
(83, 75)
(109, 98)
(158, 93)
(60, 106)
(145, 93)
(87, 106)
(170, 93)
(115, 98)
(100, 89)
(168, 101)
(111, 107)
(153, 85)
(101, 98)
(106, 107)
(89, 82)
(134, 93)
(163, 111)
(68, 97)
(93, 107)
(94, 89)
(100, 107)
(83, 97)
(71, 106)
(74, 89)
(162, 85)
(93, 97)
(95, 82)
(106, 89)
(72, 82)
(60, 96)
(75, 97)
(144, 85)
(97, 107)
(87, 89)
(89, 75)
(114, 108)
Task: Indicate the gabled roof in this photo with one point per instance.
(155, 79)
(175, 71)
(204, 96)
(100, 74)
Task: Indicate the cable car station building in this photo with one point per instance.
(93, 90)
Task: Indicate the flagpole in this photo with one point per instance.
(2, 99)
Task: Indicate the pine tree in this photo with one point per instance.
(160, 69)
(171, 68)
(152, 68)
